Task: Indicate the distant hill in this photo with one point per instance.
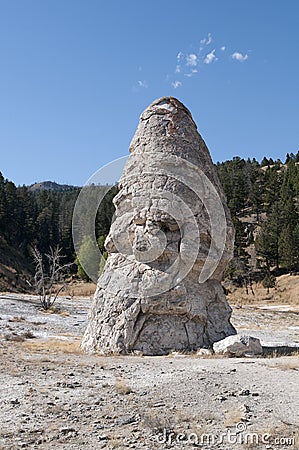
(50, 186)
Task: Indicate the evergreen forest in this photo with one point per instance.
(263, 198)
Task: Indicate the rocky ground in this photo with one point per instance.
(55, 397)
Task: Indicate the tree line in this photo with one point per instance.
(263, 198)
(264, 202)
(42, 219)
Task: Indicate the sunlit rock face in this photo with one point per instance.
(168, 247)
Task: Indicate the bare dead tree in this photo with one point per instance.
(49, 271)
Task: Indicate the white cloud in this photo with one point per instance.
(209, 39)
(189, 64)
(210, 57)
(179, 57)
(239, 56)
(190, 74)
(176, 84)
(142, 84)
(191, 59)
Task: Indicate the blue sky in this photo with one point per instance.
(76, 75)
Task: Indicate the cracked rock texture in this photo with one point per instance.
(168, 247)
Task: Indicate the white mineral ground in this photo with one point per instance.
(55, 396)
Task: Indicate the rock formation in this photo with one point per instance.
(168, 247)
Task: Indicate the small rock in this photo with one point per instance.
(204, 352)
(66, 430)
(244, 408)
(232, 394)
(238, 345)
(127, 420)
(244, 392)
(68, 385)
(103, 437)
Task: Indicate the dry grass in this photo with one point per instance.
(17, 319)
(289, 364)
(156, 422)
(213, 356)
(194, 354)
(122, 387)
(19, 337)
(175, 421)
(235, 416)
(80, 289)
(12, 370)
(278, 354)
(14, 337)
(54, 346)
(54, 309)
(285, 292)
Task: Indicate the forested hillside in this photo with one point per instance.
(264, 202)
(263, 199)
(42, 218)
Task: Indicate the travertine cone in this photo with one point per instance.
(168, 246)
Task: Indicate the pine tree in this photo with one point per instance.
(11, 208)
(290, 219)
(287, 248)
(105, 212)
(25, 220)
(272, 183)
(269, 282)
(267, 242)
(2, 204)
(256, 197)
(264, 162)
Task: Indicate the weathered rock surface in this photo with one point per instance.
(238, 345)
(168, 246)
